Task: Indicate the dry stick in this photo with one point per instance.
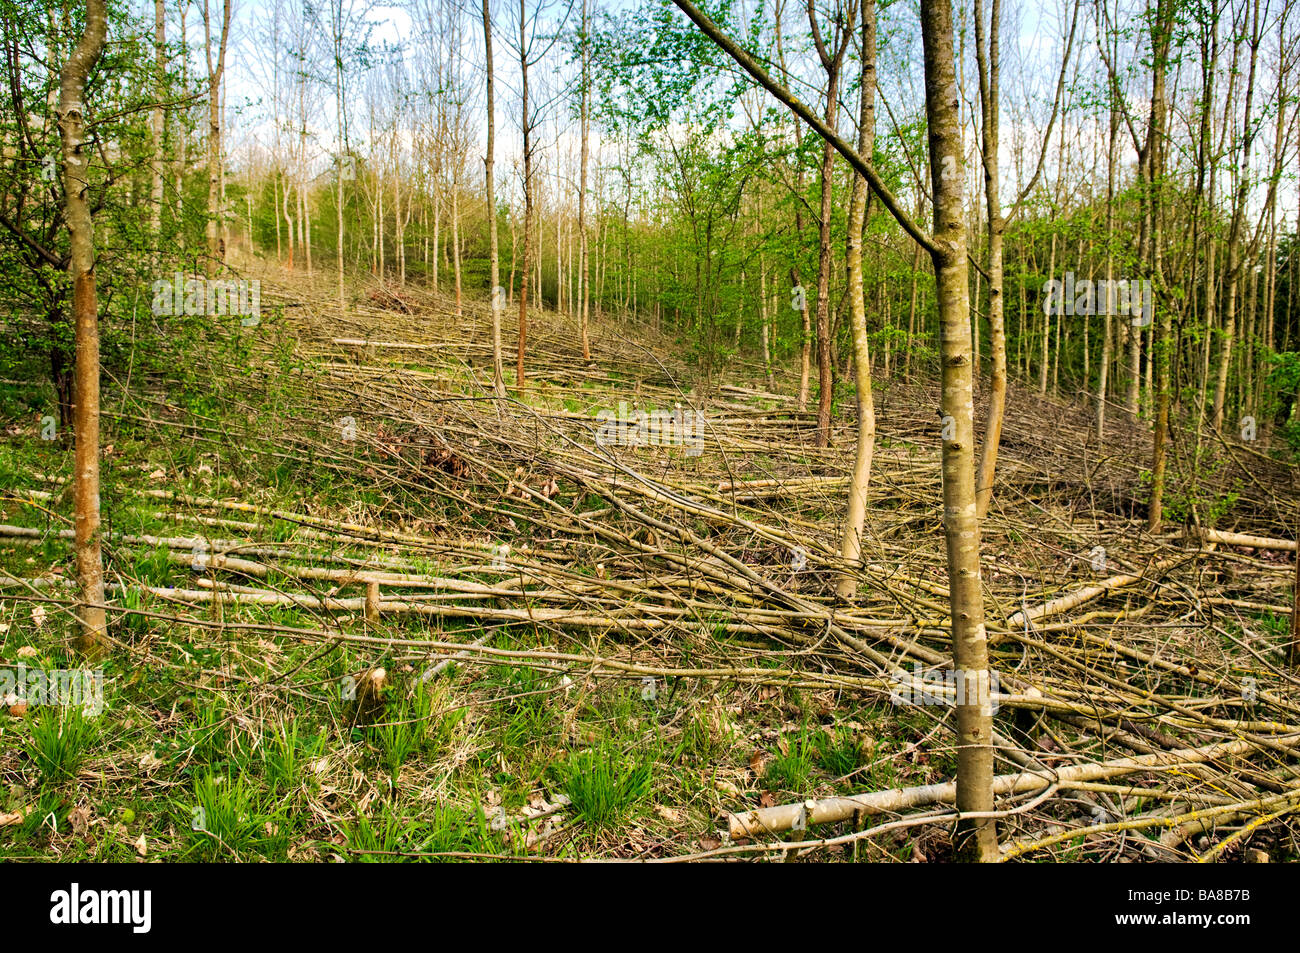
(1245, 832)
(1205, 816)
(434, 670)
(1244, 539)
(757, 676)
(827, 810)
(1079, 597)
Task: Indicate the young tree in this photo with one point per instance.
(498, 381)
(988, 68)
(832, 60)
(85, 312)
(527, 129)
(851, 542)
(216, 70)
(584, 117)
(1162, 26)
(157, 120)
(977, 836)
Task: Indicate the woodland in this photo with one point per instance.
(650, 430)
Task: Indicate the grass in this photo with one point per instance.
(790, 769)
(59, 741)
(605, 786)
(837, 752)
(402, 733)
(233, 819)
(412, 834)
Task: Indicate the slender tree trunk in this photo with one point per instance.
(498, 377)
(304, 227)
(337, 13)
(526, 262)
(85, 313)
(288, 218)
(912, 312)
(832, 60)
(182, 138)
(1108, 306)
(851, 543)
(990, 82)
(216, 250)
(976, 837)
(455, 234)
(584, 121)
(1161, 330)
(158, 118)
(1045, 363)
(765, 316)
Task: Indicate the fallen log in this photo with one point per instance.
(784, 817)
(1244, 539)
(1072, 600)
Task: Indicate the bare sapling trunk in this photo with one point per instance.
(157, 119)
(851, 544)
(346, 165)
(93, 639)
(526, 258)
(1233, 275)
(584, 120)
(832, 60)
(976, 837)
(498, 376)
(216, 70)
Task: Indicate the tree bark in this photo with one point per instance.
(526, 261)
(851, 543)
(93, 637)
(990, 77)
(216, 248)
(584, 120)
(976, 837)
(158, 116)
(832, 60)
(498, 376)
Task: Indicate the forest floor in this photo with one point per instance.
(603, 651)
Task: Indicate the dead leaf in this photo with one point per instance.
(767, 799)
(15, 817)
(672, 815)
(142, 846)
(150, 761)
(79, 818)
